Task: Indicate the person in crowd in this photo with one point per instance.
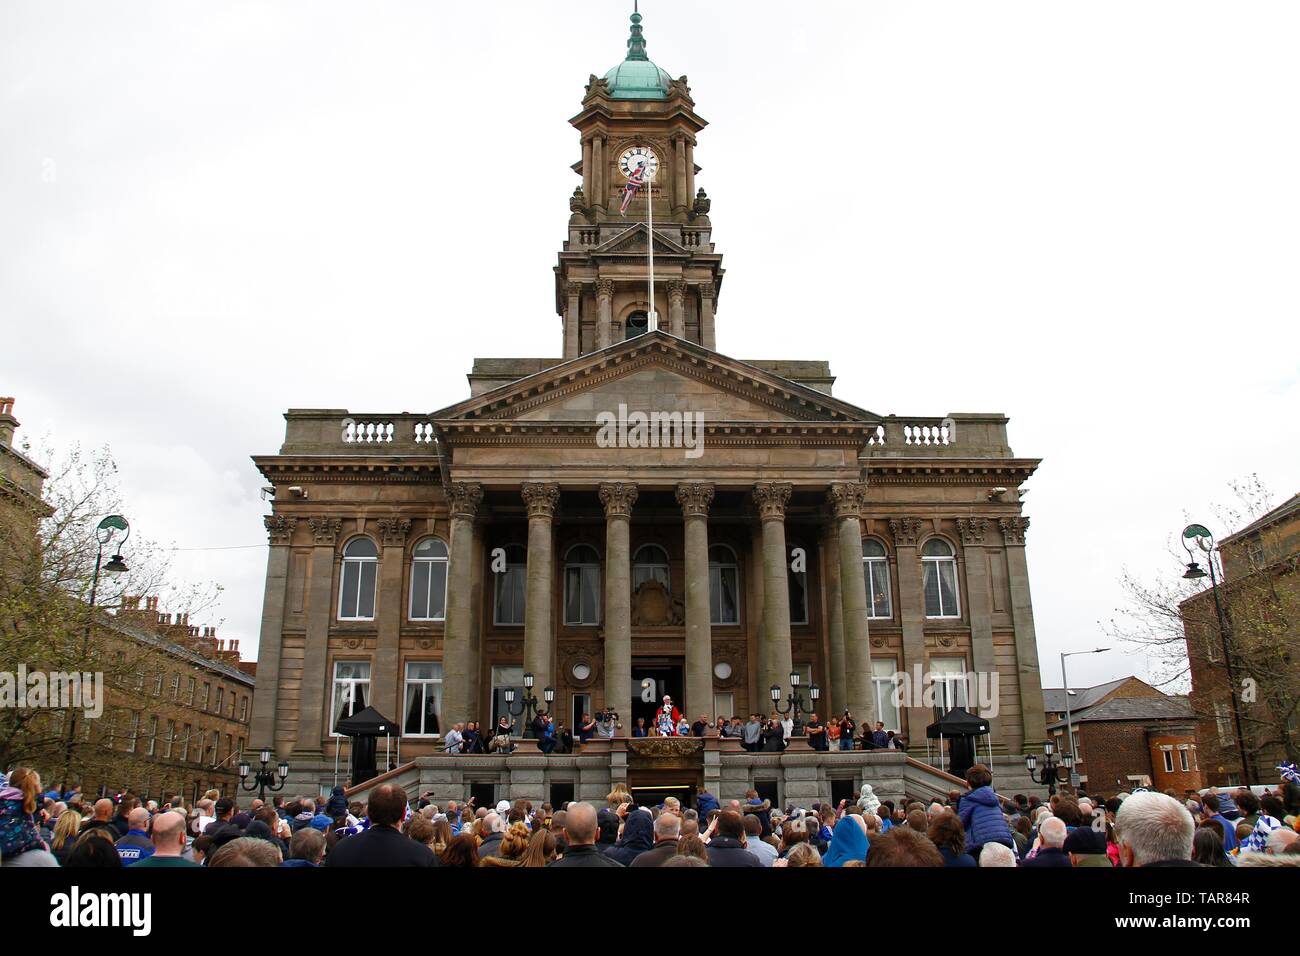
(136, 845)
(586, 728)
(995, 854)
(1207, 847)
(514, 844)
(638, 836)
(225, 817)
(727, 847)
(544, 730)
(879, 738)
(65, 835)
(383, 843)
(639, 729)
(542, 849)
(667, 829)
(693, 846)
(754, 842)
(980, 812)
(306, 849)
(608, 726)
(701, 726)
(774, 737)
(816, 731)
(1210, 811)
(21, 843)
(461, 852)
(1086, 847)
(246, 852)
(500, 742)
(903, 846)
(848, 841)
(1049, 849)
(95, 848)
(847, 726)
(1154, 830)
(121, 819)
(455, 742)
(751, 736)
(493, 831)
(103, 814)
(947, 833)
(803, 854)
(169, 843)
(580, 839)
(1271, 812)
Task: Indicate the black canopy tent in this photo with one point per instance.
(362, 728)
(961, 728)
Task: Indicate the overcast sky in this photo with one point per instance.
(1083, 215)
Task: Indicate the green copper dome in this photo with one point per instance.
(636, 78)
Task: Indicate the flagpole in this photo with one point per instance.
(653, 317)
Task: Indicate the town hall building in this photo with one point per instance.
(640, 515)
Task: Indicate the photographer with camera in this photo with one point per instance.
(607, 725)
(847, 726)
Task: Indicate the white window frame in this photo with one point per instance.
(352, 682)
(134, 734)
(1184, 764)
(949, 691)
(657, 570)
(585, 570)
(151, 746)
(171, 738)
(719, 567)
(361, 562)
(875, 567)
(519, 568)
(884, 684)
(1168, 756)
(176, 687)
(434, 564)
(929, 562)
(424, 685)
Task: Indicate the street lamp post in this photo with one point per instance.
(265, 779)
(105, 533)
(528, 704)
(1048, 775)
(1069, 720)
(794, 702)
(1200, 535)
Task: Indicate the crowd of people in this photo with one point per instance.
(978, 827)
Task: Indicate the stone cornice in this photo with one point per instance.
(1007, 472)
(397, 469)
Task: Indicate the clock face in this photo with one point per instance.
(637, 156)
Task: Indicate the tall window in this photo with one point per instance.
(243, 709)
(423, 698)
(1182, 760)
(940, 575)
(151, 745)
(157, 685)
(189, 692)
(1169, 760)
(357, 590)
(221, 699)
(650, 563)
(170, 738)
(185, 744)
(724, 586)
(949, 675)
(511, 587)
(582, 585)
(176, 687)
(216, 748)
(884, 681)
(798, 582)
(429, 581)
(133, 733)
(875, 567)
(207, 692)
(351, 689)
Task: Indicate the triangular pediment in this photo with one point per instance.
(655, 372)
(634, 241)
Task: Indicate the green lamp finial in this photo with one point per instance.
(636, 42)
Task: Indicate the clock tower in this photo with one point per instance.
(638, 123)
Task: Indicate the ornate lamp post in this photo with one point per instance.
(527, 705)
(265, 778)
(1198, 536)
(795, 702)
(1048, 775)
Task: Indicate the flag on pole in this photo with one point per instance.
(634, 183)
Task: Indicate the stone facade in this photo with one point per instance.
(590, 544)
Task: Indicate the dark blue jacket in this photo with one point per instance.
(705, 804)
(981, 815)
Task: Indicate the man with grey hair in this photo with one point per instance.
(997, 854)
(493, 829)
(667, 827)
(1154, 830)
(1051, 840)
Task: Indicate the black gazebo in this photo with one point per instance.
(962, 729)
(364, 727)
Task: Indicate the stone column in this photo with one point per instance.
(975, 558)
(708, 293)
(573, 320)
(690, 174)
(677, 308)
(279, 529)
(460, 663)
(388, 615)
(604, 311)
(847, 497)
(586, 170)
(1022, 618)
(542, 499)
(599, 198)
(774, 657)
(618, 498)
(830, 565)
(695, 497)
(680, 196)
(320, 611)
(911, 612)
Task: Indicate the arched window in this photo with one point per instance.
(357, 588)
(724, 586)
(940, 573)
(511, 587)
(429, 581)
(875, 568)
(798, 582)
(650, 563)
(638, 323)
(582, 585)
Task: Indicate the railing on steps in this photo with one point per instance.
(931, 780)
(367, 785)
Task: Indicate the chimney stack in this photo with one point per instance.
(8, 424)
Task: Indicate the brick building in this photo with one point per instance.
(1127, 734)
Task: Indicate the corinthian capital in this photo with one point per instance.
(771, 498)
(618, 497)
(676, 290)
(972, 530)
(846, 498)
(279, 528)
(1013, 530)
(905, 531)
(464, 499)
(695, 498)
(605, 287)
(541, 497)
(393, 531)
(324, 529)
